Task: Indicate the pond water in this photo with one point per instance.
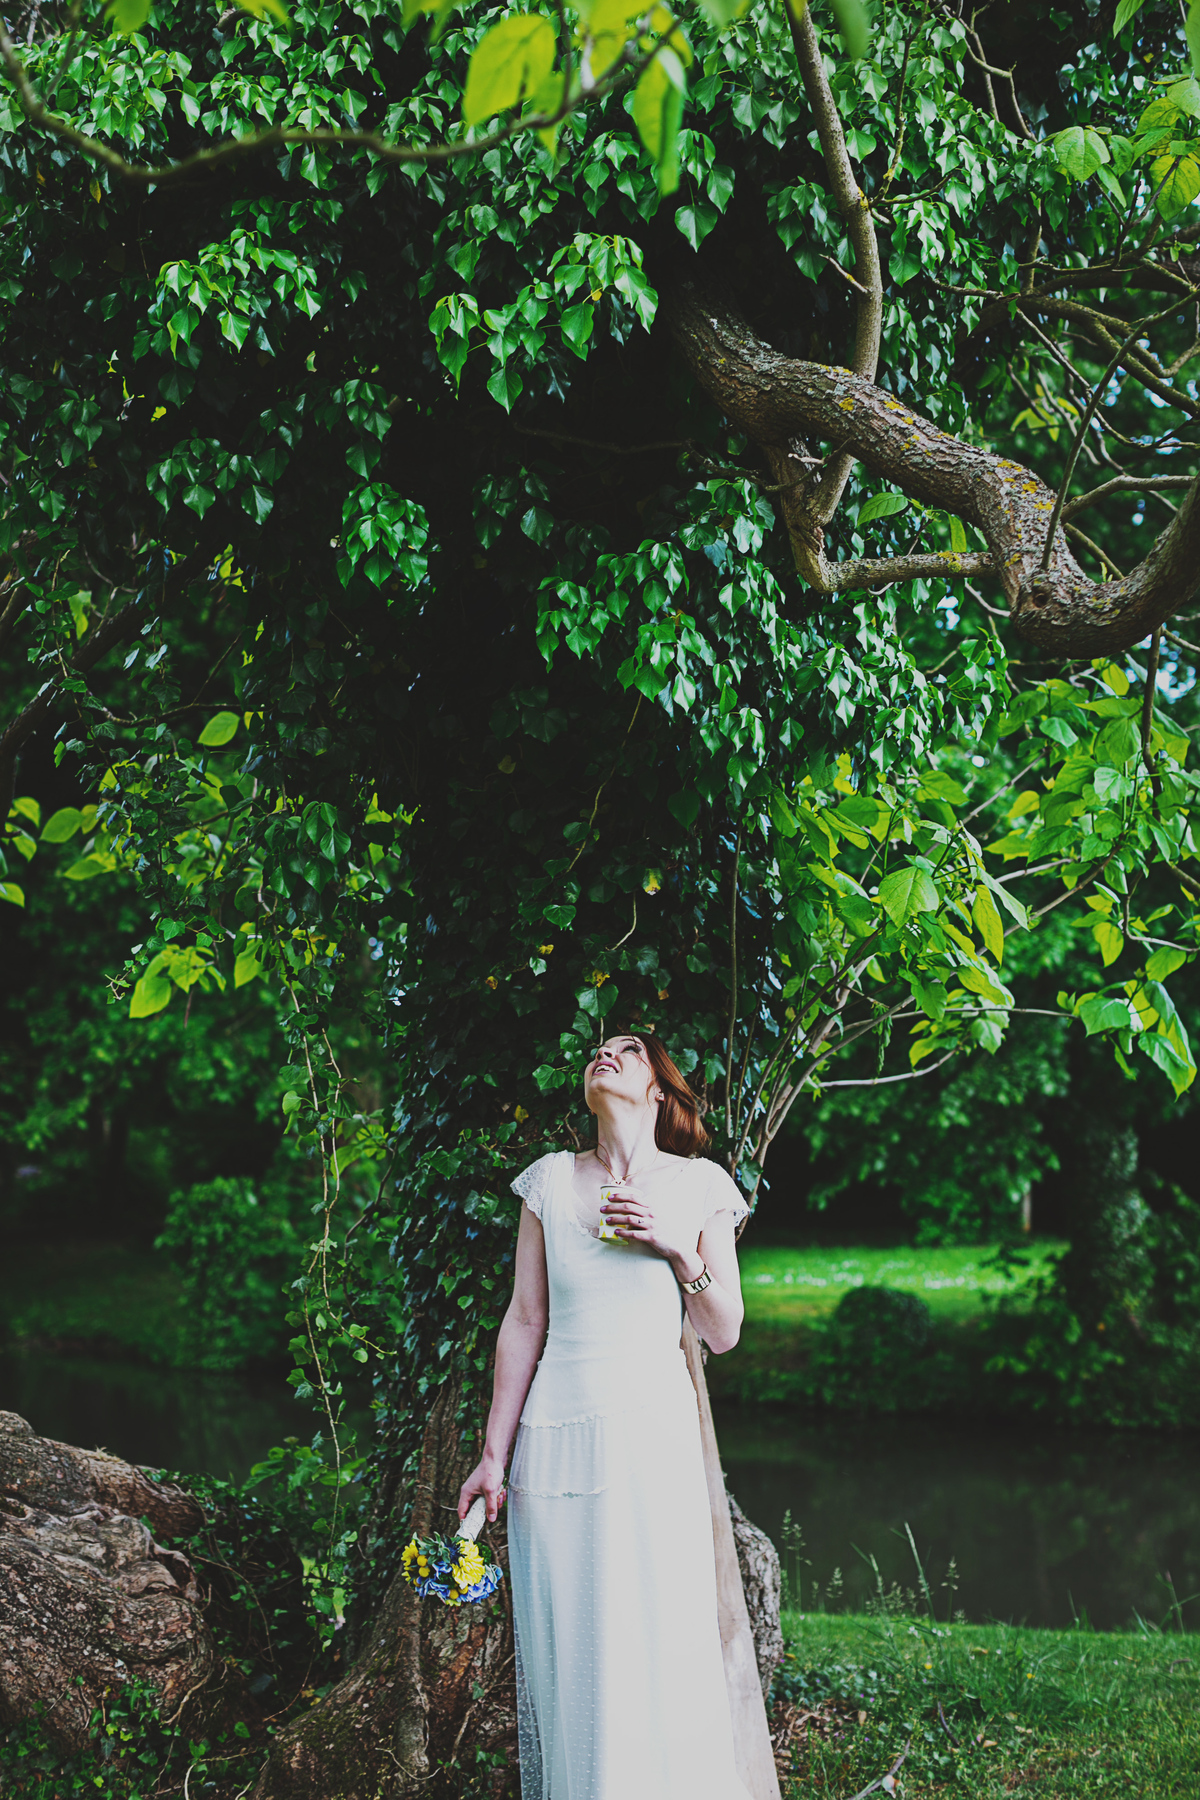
(1043, 1526)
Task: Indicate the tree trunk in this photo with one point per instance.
(431, 1699)
(88, 1599)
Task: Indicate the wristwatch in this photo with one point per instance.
(703, 1280)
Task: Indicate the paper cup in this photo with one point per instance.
(607, 1232)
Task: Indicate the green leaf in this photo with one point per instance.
(1104, 1013)
(1110, 938)
(930, 995)
(852, 23)
(220, 728)
(724, 12)
(149, 996)
(979, 981)
(1126, 11)
(906, 892)
(657, 112)
(1164, 962)
(1192, 29)
(27, 808)
(1180, 183)
(88, 867)
(260, 8)
(11, 892)
(1009, 902)
(862, 810)
(1080, 151)
(1118, 743)
(1179, 1072)
(246, 968)
(127, 15)
(937, 785)
(1186, 96)
(988, 923)
(510, 62)
(62, 825)
(881, 506)
(958, 534)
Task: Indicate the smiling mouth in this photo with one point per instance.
(606, 1067)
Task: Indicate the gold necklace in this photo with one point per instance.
(631, 1174)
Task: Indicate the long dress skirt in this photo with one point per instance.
(620, 1682)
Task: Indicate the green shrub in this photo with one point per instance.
(867, 1356)
(235, 1247)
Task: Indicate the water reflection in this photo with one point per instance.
(165, 1418)
(1043, 1525)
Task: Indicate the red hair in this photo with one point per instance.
(679, 1129)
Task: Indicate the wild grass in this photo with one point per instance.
(991, 1710)
(900, 1701)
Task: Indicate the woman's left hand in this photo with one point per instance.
(635, 1223)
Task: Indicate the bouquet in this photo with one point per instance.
(452, 1569)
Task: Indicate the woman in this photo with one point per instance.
(620, 1683)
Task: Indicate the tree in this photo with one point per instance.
(557, 675)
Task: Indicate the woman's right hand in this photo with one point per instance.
(487, 1478)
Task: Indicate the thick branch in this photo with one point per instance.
(1124, 484)
(774, 398)
(815, 506)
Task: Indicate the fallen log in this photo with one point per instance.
(89, 1599)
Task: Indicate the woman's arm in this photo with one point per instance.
(518, 1348)
(717, 1312)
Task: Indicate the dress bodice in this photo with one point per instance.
(616, 1313)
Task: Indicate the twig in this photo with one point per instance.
(878, 1783)
(1081, 537)
(565, 437)
(1148, 710)
(1182, 642)
(1121, 484)
(1139, 330)
(733, 984)
(603, 785)
(883, 1080)
(630, 932)
(1189, 882)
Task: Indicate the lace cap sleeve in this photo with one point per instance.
(724, 1196)
(533, 1184)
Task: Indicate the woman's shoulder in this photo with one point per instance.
(533, 1183)
(715, 1188)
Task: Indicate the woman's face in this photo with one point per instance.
(620, 1070)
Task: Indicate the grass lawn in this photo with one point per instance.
(801, 1287)
(986, 1711)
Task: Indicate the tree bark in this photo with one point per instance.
(776, 398)
(432, 1692)
(762, 1583)
(88, 1599)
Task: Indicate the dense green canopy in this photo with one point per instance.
(623, 572)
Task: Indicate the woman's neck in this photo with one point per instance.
(627, 1140)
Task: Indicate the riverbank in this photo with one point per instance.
(983, 1712)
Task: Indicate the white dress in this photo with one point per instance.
(620, 1681)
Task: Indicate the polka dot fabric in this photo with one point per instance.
(620, 1682)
